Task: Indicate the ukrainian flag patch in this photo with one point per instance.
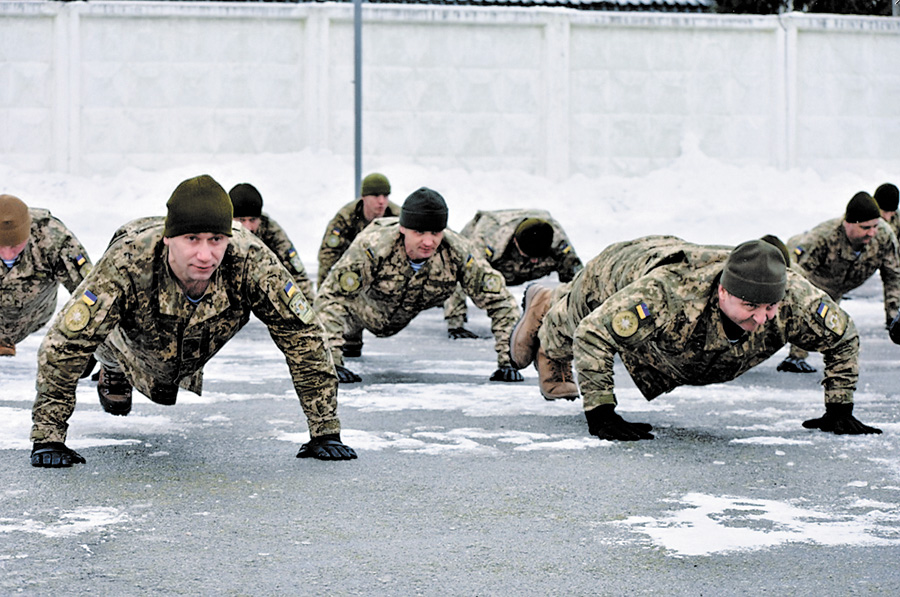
(89, 298)
(831, 318)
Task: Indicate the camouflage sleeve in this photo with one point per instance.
(890, 278)
(627, 318)
(288, 314)
(343, 284)
(75, 333)
(455, 311)
(334, 244)
(820, 325)
(277, 240)
(487, 288)
(73, 263)
(569, 263)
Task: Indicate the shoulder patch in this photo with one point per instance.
(565, 248)
(624, 324)
(798, 251)
(831, 318)
(297, 303)
(470, 260)
(370, 253)
(492, 282)
(489, 252)
(349, 281)
(294, 260)
(81, 262)
(78, 316)
(334, 238)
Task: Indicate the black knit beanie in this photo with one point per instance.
(887, 197)
(246, 200)
(198, 205)
(424, 211)
(534, 237)
(755, 271)
(862, 208)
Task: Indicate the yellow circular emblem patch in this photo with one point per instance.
(333, 240)
(625, 323)
(349, 281)
(77, 317)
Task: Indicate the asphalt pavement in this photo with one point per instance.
(462, 486)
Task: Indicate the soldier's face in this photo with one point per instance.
(195, 257)
(374, 206)
(420, 245)
(862, 233)
(10, 253)
(251, 224)
(744, 314)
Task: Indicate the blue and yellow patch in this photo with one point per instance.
(625, 324)
(832, 319)
(798, 251)
(79, 313)
(489, 252)
(297, 303)
(470, 260)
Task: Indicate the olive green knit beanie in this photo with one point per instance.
(15, 221)
(534, 237)
(375, 184)
(198, 205)
(755, 271)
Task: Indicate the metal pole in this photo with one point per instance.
(357, 87)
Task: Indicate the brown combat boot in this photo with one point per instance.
(555, 377)
(114, 391)
(523, 342)
(7, 350)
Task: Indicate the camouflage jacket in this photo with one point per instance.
(492, 232)
(340, 232)
(668, 330)
(375, 283)
(53, 256)
(277, 239)
(132, 304)
(894, 223)
(829, 261)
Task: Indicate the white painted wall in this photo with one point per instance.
(96, 87)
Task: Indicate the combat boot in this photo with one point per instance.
(555, 377)
(523, 342)
(114, 391)
(7, 350)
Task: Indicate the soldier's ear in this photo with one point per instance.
(166, 240)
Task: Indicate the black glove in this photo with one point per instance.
(605, 423)
(461, 333)
(54, 455)
(345, 375)
(507, 374)
(894, 330)
(326, 447)
(839, 419)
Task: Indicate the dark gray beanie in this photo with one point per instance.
(424, 211)
(887, 197)
(862, 208)
(246, 200)
(198, 205)
(755, 272)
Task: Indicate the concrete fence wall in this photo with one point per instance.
(99, 86)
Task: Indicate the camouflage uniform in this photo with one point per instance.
(894, 223)
(654, 302)
(340, 232)
(53, 256)
(277, 239)
(133, 313)
(374, 287)
(492, 231)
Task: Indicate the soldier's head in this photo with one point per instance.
(861, 220)
(375, 191)
(423, 218)
(247, 205)
(533, 238)
(198, 228)
(15, 227)
(752, 284)
(887, 196)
